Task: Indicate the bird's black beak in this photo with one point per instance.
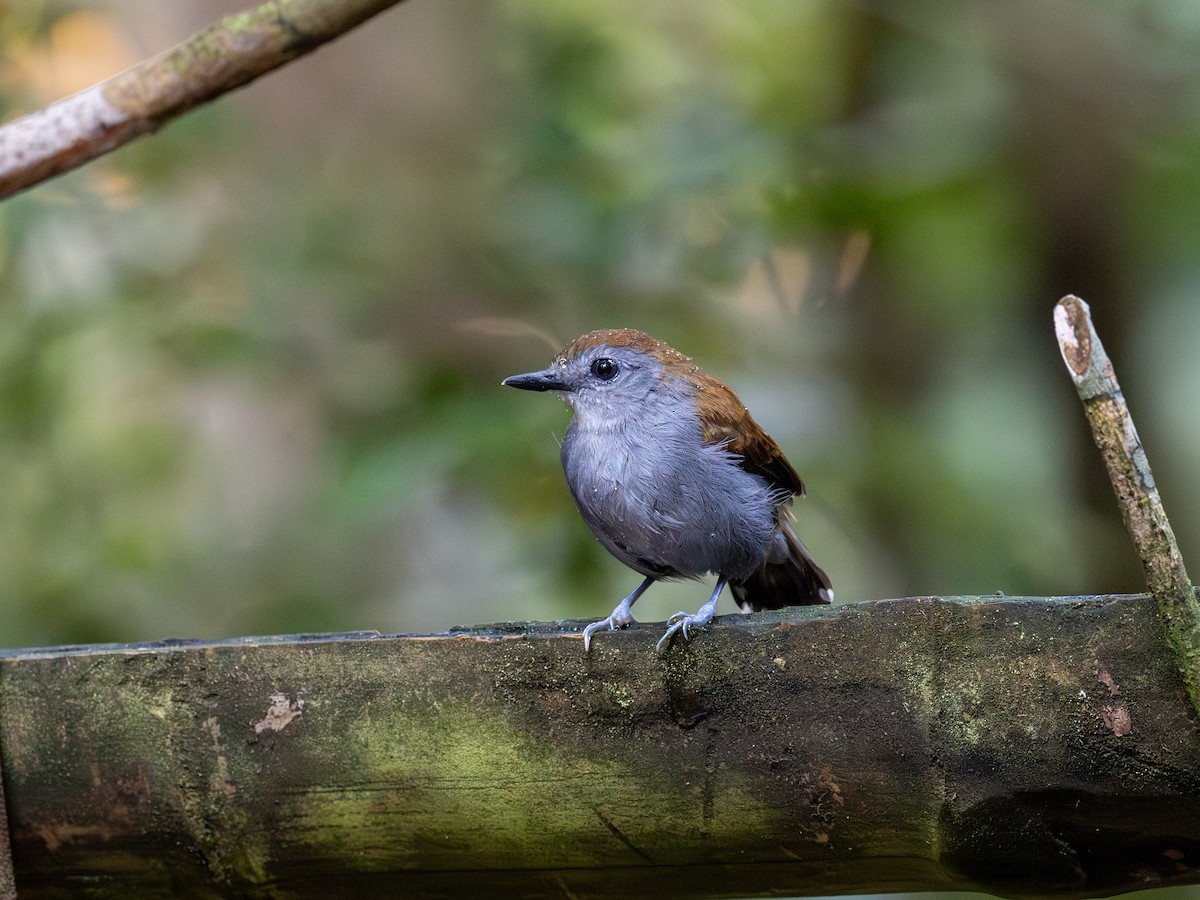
(548, 380)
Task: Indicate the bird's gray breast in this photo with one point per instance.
(665, 504)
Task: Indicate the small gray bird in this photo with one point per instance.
(675, 478)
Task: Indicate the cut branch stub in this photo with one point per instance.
(1129, 471)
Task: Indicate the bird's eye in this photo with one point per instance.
(605, 369)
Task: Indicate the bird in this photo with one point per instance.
(675, 478)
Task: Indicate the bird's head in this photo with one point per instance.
(615, 375)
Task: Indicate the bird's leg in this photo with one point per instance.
(681, 621)
(620, 616)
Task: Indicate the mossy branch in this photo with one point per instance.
(1137, 495)
(226, 55)
(1021, 746)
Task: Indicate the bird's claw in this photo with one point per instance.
(681, 621)
(612, 623)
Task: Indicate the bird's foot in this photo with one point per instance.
(681, 622)
(619, 619)
(620, 616)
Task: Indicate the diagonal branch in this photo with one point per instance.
(226, 55)
(1128, 469)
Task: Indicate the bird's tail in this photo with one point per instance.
(789, 576)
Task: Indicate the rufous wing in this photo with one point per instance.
(726, 421)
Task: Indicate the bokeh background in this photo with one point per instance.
(250, 366)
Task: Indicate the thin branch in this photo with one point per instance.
(226, 55)
(1128, 469)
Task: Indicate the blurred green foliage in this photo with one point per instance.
(250, 366)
